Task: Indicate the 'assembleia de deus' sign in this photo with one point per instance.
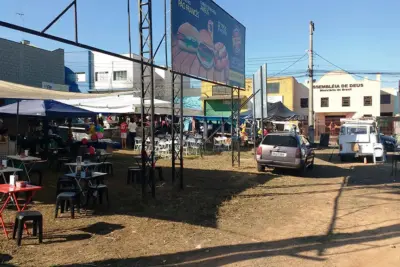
(337, 87)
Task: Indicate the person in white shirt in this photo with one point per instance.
(132, 131)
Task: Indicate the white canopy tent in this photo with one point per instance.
(18, 91)
(112, 103)
(116, 104)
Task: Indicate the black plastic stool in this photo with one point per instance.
(160, 174)
(66, 199)
(24, 216)
(133, 174)
(99, 190)
(108, 167)
(66, 184)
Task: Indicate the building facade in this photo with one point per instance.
(88, 71)
(25, 64)
(79, 71)
(338, 95)
(216, 99)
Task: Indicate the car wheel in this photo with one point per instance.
(260, 168)
(302, 172)
(311, 166)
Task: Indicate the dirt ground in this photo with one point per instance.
(338, 215)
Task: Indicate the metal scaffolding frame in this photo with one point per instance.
(235, 132)
(177, 128)
(147, 83)
(147, 92)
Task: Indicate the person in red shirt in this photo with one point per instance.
(123, 128)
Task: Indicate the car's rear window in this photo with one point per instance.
(280, 140)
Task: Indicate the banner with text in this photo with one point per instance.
(207, 42)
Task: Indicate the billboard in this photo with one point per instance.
(207, 42)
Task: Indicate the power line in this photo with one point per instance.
(291, 65)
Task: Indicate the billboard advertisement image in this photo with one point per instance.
(207, 42)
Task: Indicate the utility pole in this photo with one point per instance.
(311, 121)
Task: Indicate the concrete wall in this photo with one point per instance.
(286, 90)
(386, 108)
(300, 91)
(26, 64)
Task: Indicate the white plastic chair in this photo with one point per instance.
(138, 143)
(217, 144)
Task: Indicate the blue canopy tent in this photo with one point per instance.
(44, 108)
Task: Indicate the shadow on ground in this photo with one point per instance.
(4, 259)
(223, 255)
(197, 204)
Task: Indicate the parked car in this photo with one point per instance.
(285, 150)
(389, 142)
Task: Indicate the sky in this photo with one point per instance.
(359, 35)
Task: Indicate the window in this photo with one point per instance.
(346, 101)
(367, 115)
(324, 102)
(385, 99)
(101, 76)
(273, 88)
(304, 102)
(120, 75)
(280, 140)
(80, 77)
(357, 130)
(371, 129)
(367, 100)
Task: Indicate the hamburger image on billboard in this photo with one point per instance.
(195, 53)
(207, 42)
(205, 52)
(188, 37)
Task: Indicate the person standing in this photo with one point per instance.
(132, 131)
(123, 128)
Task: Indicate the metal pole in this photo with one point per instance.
(238, 127)
(173, 152)
(262, 101)
(16, 140)
(311, 120)
(142, 112)
(232, 130)
(73, 43)
(181, 135)
(76, 21)
(254, 119)
(165, 34)
(129, 31)
(153, 184)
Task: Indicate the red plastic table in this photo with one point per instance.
(11, 191)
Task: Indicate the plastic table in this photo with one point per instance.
(24, 161)
(11, 191)
(9, 170)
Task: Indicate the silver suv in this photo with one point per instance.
(285, 150)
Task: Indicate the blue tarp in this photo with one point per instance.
(45, 108)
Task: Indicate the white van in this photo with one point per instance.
(359, 138)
